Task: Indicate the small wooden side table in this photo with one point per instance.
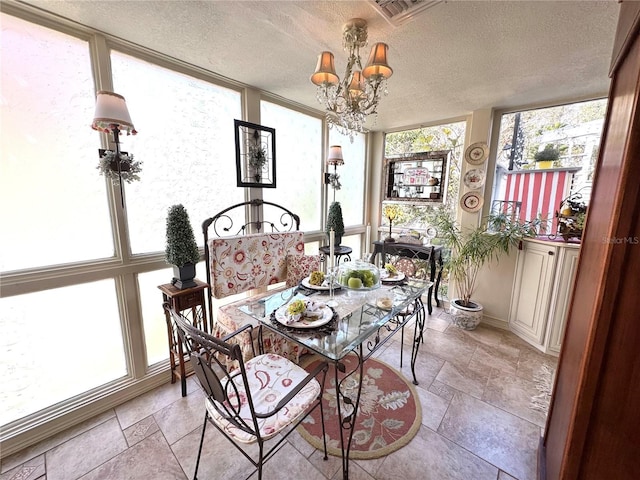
(190, 302)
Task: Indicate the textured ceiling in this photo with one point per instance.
(451, 59)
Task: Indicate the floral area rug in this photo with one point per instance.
(388, 417)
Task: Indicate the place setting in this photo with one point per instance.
(390, 275)
(303, 313)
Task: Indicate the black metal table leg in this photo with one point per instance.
(418, 332)
(347, 423)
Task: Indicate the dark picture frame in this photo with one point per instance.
(417, 177)
(255, 155)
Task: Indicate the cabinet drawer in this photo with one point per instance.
(190, 300)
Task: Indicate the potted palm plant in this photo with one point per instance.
(472, 248)
(182, 249)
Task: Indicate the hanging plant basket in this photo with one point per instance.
(128, 171)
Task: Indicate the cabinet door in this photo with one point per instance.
(532, 292)
(565, 276)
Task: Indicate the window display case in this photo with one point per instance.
(416, 177)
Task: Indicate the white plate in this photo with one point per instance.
(384, 277)
(471, 202)
(474, 178)
(325, 286)
(476, 153)
(326, 314)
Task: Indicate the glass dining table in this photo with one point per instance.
(361, 322)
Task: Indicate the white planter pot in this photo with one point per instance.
(467, 318)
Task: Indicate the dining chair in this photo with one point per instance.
(412, 263)
(260, 398)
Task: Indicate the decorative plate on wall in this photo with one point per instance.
(474, 178)
(477, 153)
(471, 202)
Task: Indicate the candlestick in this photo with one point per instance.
(332, 241)
(367, 241)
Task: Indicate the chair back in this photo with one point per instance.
(412, 260)
(210, 359)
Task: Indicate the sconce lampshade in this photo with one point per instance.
(335, 155)
(111, 109)
(325, 70)
(377, 64)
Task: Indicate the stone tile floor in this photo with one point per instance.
(475, 389)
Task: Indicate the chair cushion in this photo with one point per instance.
(270, 378)
(300, 266)
(245, 262)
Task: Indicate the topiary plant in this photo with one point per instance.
(550, 153)
(181, 243)
(335, 222)
(182, 249)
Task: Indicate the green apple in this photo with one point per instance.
(355, 282)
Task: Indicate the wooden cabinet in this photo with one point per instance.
(545, 272)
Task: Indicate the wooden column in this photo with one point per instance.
(593, 427)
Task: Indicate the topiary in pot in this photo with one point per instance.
(335, 222)
(182, 249)
(546, 157)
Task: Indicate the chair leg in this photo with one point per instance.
(260, 458)
(204, 427)
(324, 435)
(401, 344)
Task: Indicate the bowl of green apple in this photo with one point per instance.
(358, 275)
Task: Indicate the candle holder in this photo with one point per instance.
(331, 274)
(390, 239)
(391, 212)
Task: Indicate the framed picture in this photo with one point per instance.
(416, 177)
(255, 155)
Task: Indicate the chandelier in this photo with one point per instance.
(349, 102)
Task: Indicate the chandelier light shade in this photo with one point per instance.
(112, 113)
(335, 155)
(348, 102)
(377, 64)
(325, 70)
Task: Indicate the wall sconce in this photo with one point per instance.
(335, 159)
(112, 116)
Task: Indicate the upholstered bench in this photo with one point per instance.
(247, 262)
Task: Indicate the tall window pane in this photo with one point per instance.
(53, 206)
(186, 143)
(298, 162)
(545, 165)
(351, 193)
(62, 355)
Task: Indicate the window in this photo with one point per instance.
(352, 177)
(298, 163)
(440, 137)
(47, 357)
(191, 162)
(526, 189)
(54, 206)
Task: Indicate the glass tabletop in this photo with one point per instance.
(358, 315)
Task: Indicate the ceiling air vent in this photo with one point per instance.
(398, 12)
